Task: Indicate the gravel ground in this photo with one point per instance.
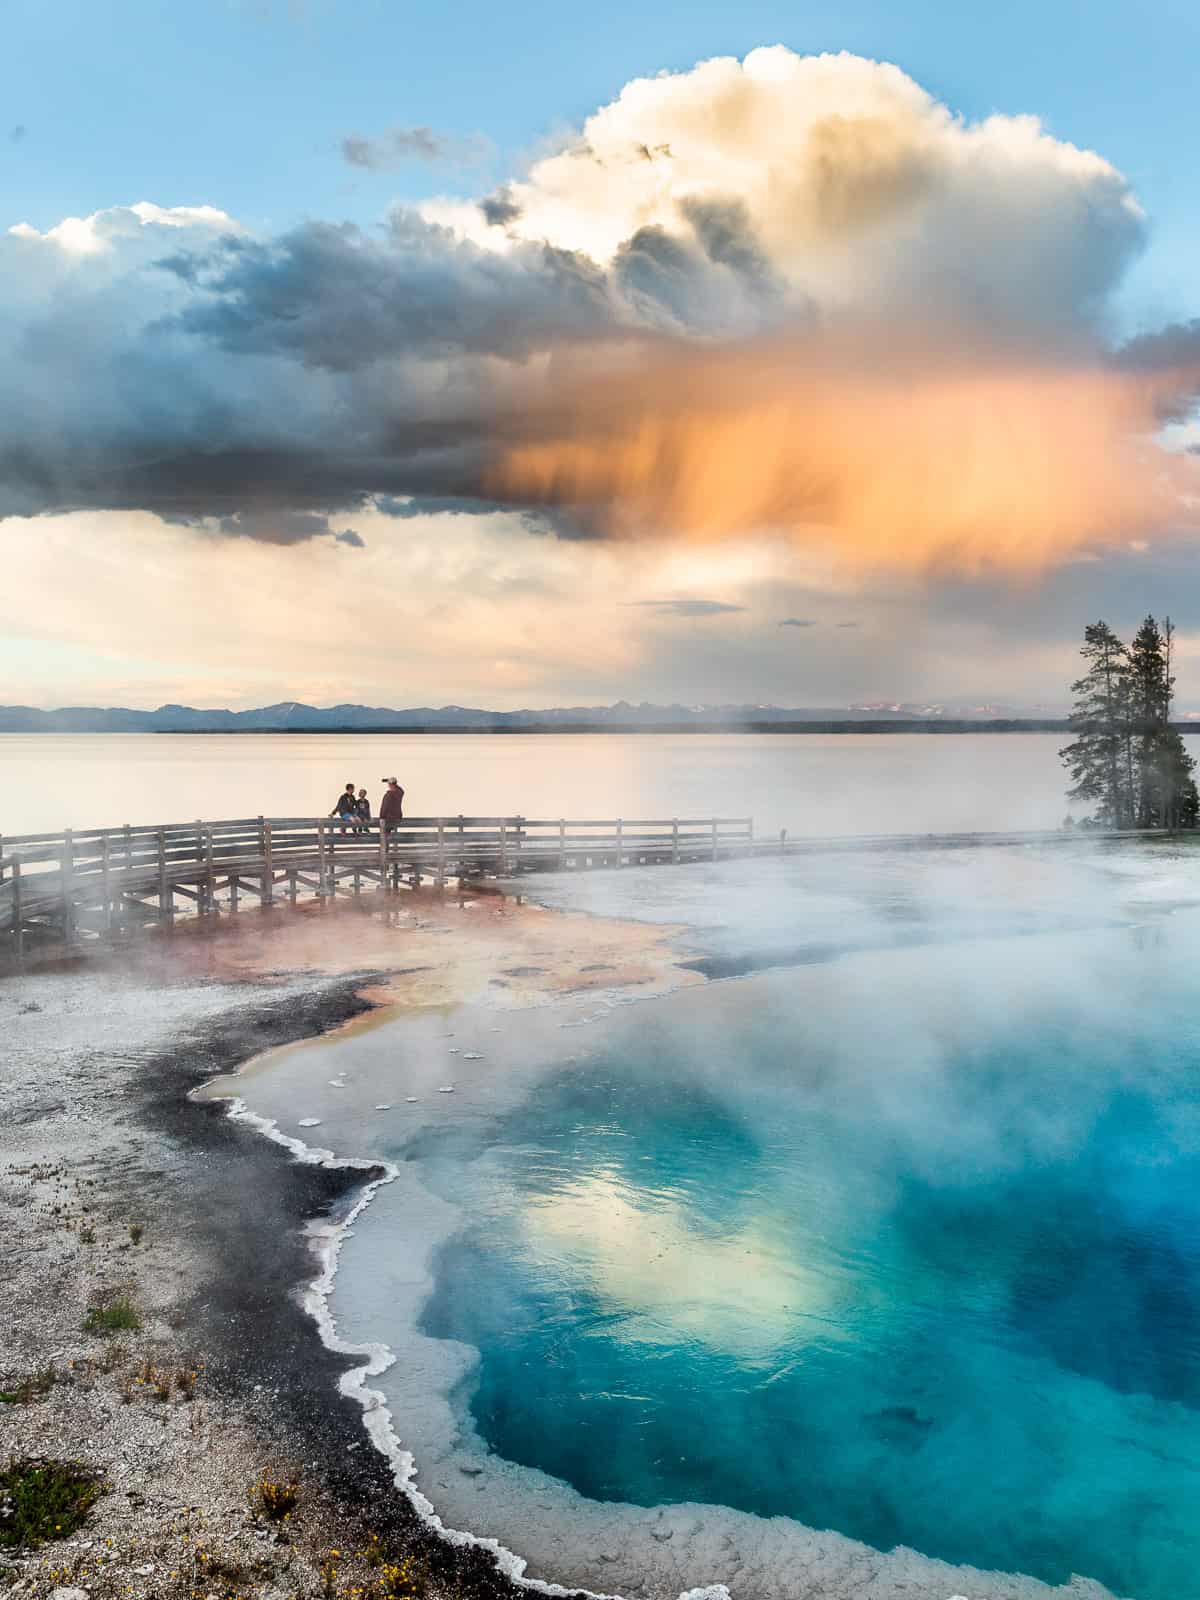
(114, 1187)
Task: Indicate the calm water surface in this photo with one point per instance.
(810, 783)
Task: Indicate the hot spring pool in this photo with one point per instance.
(906, 1248)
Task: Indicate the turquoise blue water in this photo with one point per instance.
(929, 1283)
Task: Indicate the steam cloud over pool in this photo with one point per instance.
(898, 1243)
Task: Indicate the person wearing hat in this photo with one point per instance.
(391, 807)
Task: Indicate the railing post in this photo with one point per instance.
(714, 839)
(68, 885)
(128, 832)
(210, 890)
(620, 842)
(166, 905)
(267, 897)
(441, 854)
(383, 863)
(520, 842)
(322, 887)
(503, 848)
(675, 840)
(562, 843)
(750, 830)
(104, 873)
(18, 918)
(783, 841)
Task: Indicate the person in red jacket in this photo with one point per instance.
(391, 807)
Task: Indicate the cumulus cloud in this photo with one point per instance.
(787, 293)
(856, 186)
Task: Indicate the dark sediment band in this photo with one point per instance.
(246, 1205)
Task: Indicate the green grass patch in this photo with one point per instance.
(119, 1315)
(42, 1500)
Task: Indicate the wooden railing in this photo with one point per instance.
(88, 881)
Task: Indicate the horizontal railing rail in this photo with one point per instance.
(97, 880)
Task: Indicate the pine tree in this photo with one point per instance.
(1149, 708)
(1098, 758)
(1126, 757)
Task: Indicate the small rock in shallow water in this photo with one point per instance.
(447, 1088)
(472, 1055)
(410, 1099)
(383, 1108)
(309, 1122)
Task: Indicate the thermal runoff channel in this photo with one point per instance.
(904, 1247)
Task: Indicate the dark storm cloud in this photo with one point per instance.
(201, 374)
(687, 608)
(285, 527)
(1177, 345)
(190, 370)
(339, 298)
(397, 146)
(499, 209)
(717, 276)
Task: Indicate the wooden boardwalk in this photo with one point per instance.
(75, 886)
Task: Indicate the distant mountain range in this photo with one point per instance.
(291, 716)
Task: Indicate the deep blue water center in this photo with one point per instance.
(931, 1287)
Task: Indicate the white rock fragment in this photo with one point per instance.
(410, 1099)
(472, 1055)
(383, 1108)
(309, 1122)
(69, 1594)
(446, 1088)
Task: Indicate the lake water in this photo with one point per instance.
(866, 1272)
(809, 783)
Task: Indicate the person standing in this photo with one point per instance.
(345, 807)
(391, 807)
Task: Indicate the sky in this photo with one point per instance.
(801, 354)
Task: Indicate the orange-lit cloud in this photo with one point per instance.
(921, 456)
